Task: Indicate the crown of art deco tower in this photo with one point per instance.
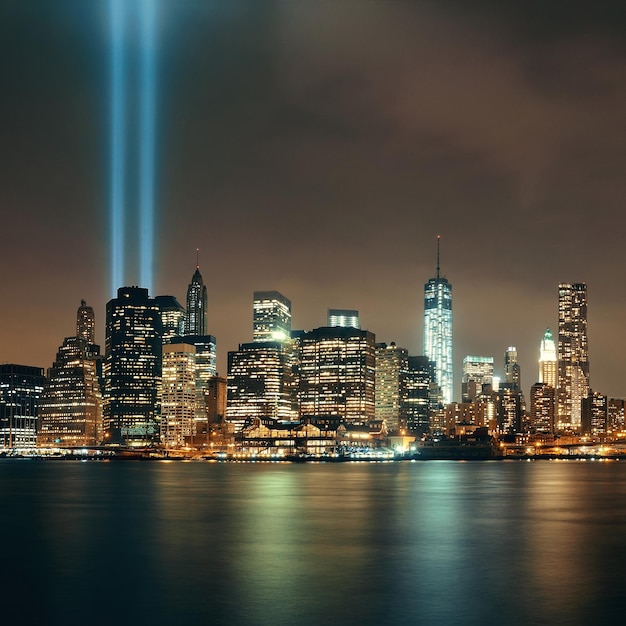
(438, 330)
(547, 360)
(195, 319)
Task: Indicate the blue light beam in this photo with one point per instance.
(118, 145)
(147, 131)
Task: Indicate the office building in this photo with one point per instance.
(195, 317)
(420, 394)
(172, 317)
(512, 371)
(86, 323)
(615, 414)
(346, 318)
(178, 395)
(338, 374)
(132, 368)
(70, 411)
(271, 317)
(477, 371)
(594, 414)
(391, 369)
(259, 384)
(438, 330)
(20, 392)
(548, 360)
(542, 407)
(573, 355)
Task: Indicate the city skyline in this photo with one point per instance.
(330, 188)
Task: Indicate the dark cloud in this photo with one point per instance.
(317, 148)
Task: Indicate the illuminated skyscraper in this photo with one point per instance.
(86, 323)
(391, 369)
(542, 407)
(477, 371)
(343, 317)
(195, 319)
(573, 363)
(172, 317)
(132, 368)
(271, 317)
(512, 371)
(178, 395)
(438, 330)
(547, 360)
(338, 374)
(70, 412)
(20, 392)
(259, 384)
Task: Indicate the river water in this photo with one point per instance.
(437, 542)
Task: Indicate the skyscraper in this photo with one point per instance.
(512, 371)
(195, 318)
(70, 412)
(391, 369)
(172, 317)
(438, 330)
(271, 317)
(547, 360)
(573, 363)
(132, 368)
(86, 323)
(259, 384)
(343, 317)
(542, 407)
(337, 374)
(419, 395)
(20, 392)
(477, 371)
(178, 395)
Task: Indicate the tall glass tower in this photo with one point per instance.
(195, 319)
(438, 330)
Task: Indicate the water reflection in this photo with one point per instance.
(411, 543)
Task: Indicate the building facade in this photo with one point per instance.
(477, 371)
(271, 317)
(419, 394)
(547, 360)
(347, 318)
(20, 392)
(71, 402)
(438, 330)
(172, 317)
(132, 368)
(391, 370)
(195, 317)
(573, 355)
(338, 374)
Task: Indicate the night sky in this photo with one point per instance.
(317, 147)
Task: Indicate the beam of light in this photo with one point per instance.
(118, 145)
(147, 142)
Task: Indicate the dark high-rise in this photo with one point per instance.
(86, 323)
(20, 392)
(132, 368)
(195, 317)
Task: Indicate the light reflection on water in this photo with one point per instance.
(404, 543)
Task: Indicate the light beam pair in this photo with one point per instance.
(118, 14)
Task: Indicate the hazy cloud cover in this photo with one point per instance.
(317, 148)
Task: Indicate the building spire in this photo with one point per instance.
(197, 258)
(438, 239)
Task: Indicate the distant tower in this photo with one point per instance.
(547, 360)
(195, 320)
(172, 317)
(271, 316)
(512, 371)
(573, 363)
(132, 368)
(477, 371)
(438, 330)
(86, 323)
(347, 318)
